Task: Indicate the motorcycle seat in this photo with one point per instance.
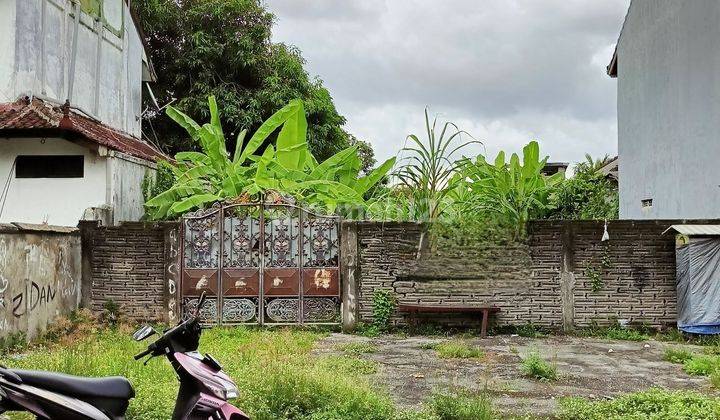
(111, 387)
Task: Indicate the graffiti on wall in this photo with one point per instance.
(39, 279)
(173, 273)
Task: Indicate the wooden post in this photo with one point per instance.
(349, 273)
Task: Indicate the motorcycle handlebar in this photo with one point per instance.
(143, 354)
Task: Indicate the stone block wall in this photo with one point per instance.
(547, 280)
(126, 264)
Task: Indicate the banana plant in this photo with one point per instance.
(512, 190)
(211, 174)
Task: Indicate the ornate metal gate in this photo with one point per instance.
(261, 263)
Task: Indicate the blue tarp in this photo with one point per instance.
(698, 286)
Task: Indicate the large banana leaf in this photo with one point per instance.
(363, 184)
(267, 128)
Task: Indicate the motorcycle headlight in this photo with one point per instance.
(223, 389)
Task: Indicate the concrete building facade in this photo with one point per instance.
(667, 64)
(71, 80)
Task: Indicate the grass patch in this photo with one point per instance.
(461, 406)
(536, 367)
(677, 355)
(348, 365)
(653, 404)
(358, 348)
(614, 332)
(457, 349)
(276, 375)
(702, 365)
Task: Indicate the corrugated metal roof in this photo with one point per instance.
(696, 230)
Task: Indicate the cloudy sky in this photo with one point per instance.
(506, 71)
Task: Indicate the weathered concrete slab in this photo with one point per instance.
(39, 279)
(588, 367)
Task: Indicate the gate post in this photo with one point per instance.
(349, 274)
(172, 273)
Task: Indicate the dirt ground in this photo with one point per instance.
(592, 368)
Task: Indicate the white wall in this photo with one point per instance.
(36, 39)
(59, 201)
(669, 109)
(127, 177)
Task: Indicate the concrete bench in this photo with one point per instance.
(414, 309)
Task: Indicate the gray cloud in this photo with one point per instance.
(507, 70)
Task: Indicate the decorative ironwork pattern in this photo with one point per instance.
(239, 310)
(320, 242)
(208, 313)
(282, 225)
(202, 242)
(264, 262)
(241, 237)
(282, 310)
(320, 309)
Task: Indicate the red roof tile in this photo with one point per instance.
(26, 114)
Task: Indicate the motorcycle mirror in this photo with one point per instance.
(143, 333)
(200, 304)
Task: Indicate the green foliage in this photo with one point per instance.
(462, 406)
(536, 367)
(677, 355)
(426, 175)
(653, 404)
(513, 192)
(224, 48)
(458, 349)
(593, 275)
(277, 375)
(162, 180)
(614, 331)
(205, 177)
(383, 308)
(348, 365)
(701, 365)
(587, 195)
(358, 348)
(13, 342)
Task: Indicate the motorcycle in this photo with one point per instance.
(204, 388)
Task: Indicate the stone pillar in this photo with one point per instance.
(171, 302)
(567, 276)
(349, 273)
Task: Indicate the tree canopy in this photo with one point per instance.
(223, 48)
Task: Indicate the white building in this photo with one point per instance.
(71, 76)
(667, 63)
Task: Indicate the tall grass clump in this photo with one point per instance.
(536, 367)
(461, 406)
(458, 349)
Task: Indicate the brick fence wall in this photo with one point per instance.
(547, 280)
(126, 264)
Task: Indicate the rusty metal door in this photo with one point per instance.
(262, 263)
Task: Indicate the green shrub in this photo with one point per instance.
(677, 355)
(383, 308)
(457, 349)
(536, 367)
(702, 365)
(462, 406)
(358, 348)
(653, 404)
